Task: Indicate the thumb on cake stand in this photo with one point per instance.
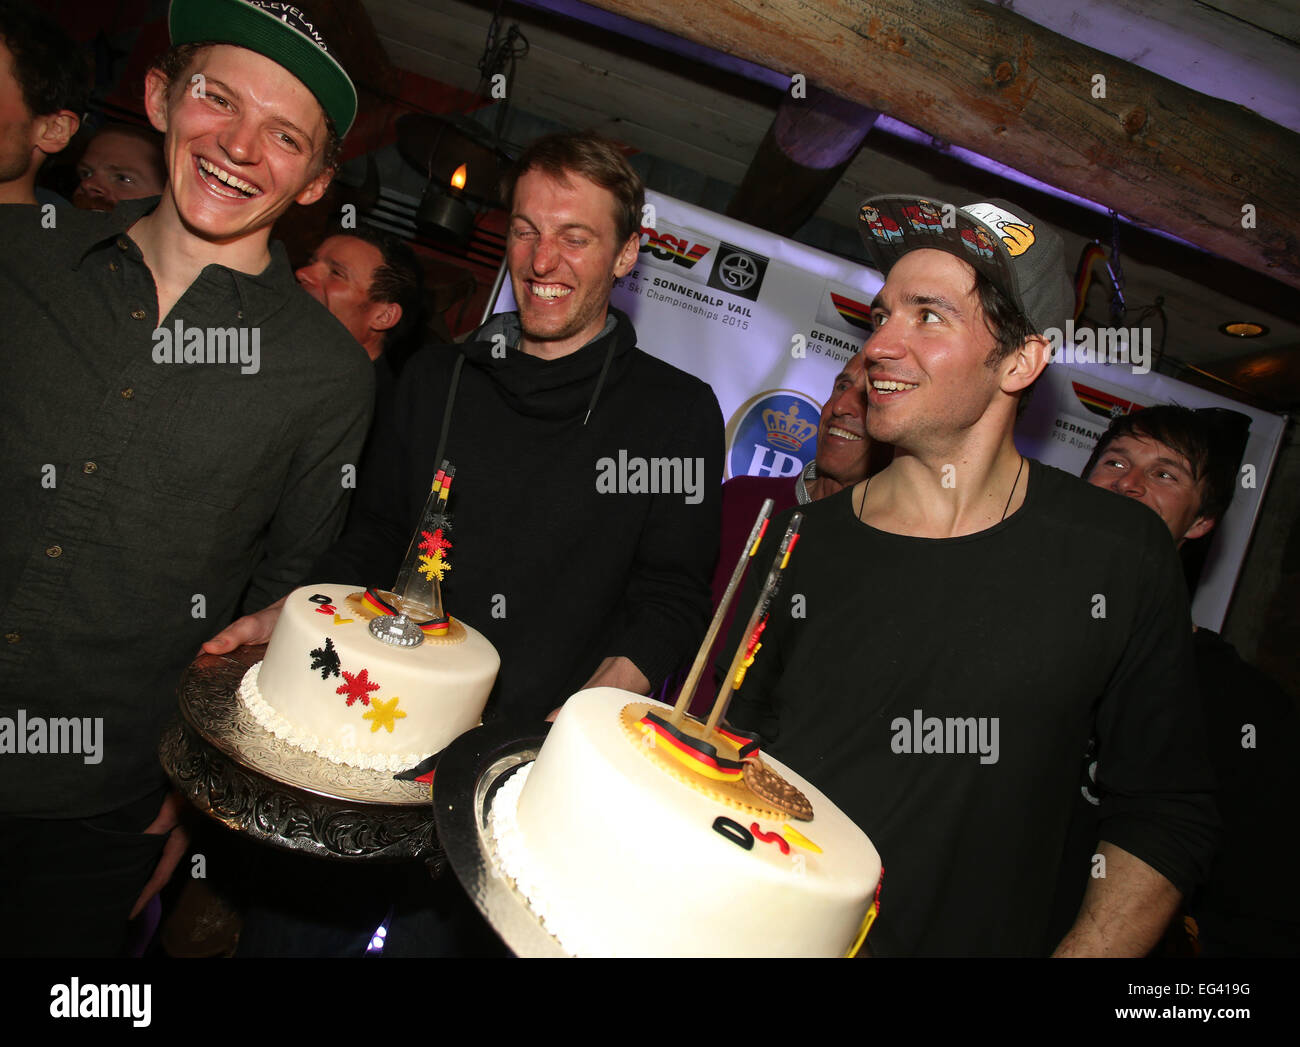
(251, 629)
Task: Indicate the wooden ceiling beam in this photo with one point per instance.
(807, 149)
(987, 79)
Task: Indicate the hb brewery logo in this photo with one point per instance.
(773, 434)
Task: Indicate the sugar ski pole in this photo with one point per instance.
(757, 621)
(702, 657)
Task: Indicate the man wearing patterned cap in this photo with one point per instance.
(987, 615)
(181, 422)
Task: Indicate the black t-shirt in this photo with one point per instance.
(1016, 645)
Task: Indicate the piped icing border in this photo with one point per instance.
(251, 695)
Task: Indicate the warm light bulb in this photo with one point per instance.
(459, 176)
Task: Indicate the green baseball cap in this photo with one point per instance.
(279, 31)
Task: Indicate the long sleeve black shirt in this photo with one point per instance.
(144, 502)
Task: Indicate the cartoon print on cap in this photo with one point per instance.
(978, 241)
(1017, 234)
(924, 217)
(881, 226)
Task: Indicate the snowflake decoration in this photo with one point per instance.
(433, 543)
(358, 686)
(383, 714)
(434, 566)
(326, 659)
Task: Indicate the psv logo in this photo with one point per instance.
(668, 247)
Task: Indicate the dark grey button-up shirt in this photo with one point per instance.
(149, 492)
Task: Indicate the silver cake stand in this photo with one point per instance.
(470, 771)
(230, 767)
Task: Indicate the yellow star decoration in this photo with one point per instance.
(434, 566)
(384, 714)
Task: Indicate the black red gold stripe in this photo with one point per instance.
(700, 756)
(376, 603)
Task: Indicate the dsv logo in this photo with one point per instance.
(668, 247)
(738, 272)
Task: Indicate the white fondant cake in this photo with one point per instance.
(327, 685)
(619, 858)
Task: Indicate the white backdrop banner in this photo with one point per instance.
(769, 323)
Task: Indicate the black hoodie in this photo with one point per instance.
(554, 570)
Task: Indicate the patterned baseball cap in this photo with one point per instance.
(282, 33)
(1023, 257)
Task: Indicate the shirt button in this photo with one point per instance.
(13, 637)
(122, 243)
(89, 468)
(53, 551)
(137, 314)
(127, 394)
(112, 267)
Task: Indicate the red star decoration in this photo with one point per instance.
(433, 543)
(358, 686)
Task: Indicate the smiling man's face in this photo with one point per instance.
(563, 253)
(843, 448)
(244, 143)
(1159, 477)
(928, 381)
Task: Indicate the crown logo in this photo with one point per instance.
(787, 432)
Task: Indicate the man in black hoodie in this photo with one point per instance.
(586, 514)
(586, 502)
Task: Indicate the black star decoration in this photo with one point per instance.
(326, 659)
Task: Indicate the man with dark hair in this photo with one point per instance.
(181, 416)
(1166, 457)
(43, 91)
(966, 619)
(121, 162)
(373, 285)
(1175, 462)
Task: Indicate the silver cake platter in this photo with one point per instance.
(469, 773)
(233, 769)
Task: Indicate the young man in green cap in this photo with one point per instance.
(181, 425)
